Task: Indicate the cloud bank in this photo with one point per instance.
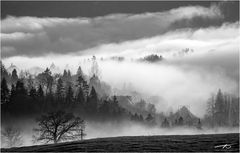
(32, 36)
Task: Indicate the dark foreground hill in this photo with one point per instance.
(177, 143)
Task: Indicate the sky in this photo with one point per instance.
(39, 28)
(88, 9)
(39, 33)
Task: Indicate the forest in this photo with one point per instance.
(27, 96)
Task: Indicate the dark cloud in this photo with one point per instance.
(69, 9)
(32, 36)
(196, 22)
(230, 9)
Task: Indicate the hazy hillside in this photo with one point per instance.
(187, 116)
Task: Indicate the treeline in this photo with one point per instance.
(222, 110)
(46, 93)
(152, 58)
(28, 96)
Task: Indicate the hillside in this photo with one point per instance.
(180, 143)
(188, 118)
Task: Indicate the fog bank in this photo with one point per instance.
(110, 129)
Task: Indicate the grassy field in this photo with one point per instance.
(176, 143)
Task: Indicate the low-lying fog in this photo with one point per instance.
(109, 129)
(173, 82)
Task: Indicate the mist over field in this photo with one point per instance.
(123, 128)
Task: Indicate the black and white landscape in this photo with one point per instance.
(120, 76)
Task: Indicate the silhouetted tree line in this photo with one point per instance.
(222, 110)
(28, 95)
(47, 93)
(152, 58)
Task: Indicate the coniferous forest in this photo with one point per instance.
(28, 96)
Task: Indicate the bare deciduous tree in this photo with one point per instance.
(59, 126)
(11, 137)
